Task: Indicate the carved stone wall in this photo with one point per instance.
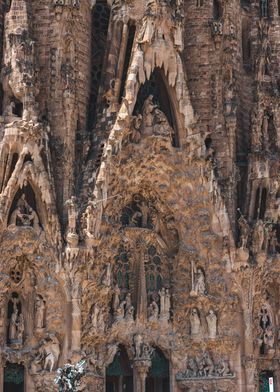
(139, 194)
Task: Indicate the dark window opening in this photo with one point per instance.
(279, 7)
(217, 10)
(130, 40)
(156, 87)
(272, 134)
(208, 142)
(264, 8)
(13, 164)
(246, 45)
(266, 381)
(119, 374)
(13, 377)
(100, 23)
(17, 107)
(260, 203)
(158, 377)
(245, 3)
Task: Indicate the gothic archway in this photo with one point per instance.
(119, 375)
(158, 377)
(13, 377)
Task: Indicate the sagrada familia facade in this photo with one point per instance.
(140, 194)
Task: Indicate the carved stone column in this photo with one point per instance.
(250, 365)
(140, 372)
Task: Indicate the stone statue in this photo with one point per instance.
(153, 312)
(135, 135)
(107, 276)
(138, 341)
(258, 236)
(40, 312)
(51, 352)
(199, 282)
(162, 126)
(244, 231)
(24, 215)
(72, 214)
(223, 368)
(94, 316)
(116, 298)
(120, 312)
(148, 116)
(13, 325)
(164, 304)
(195, 323)
(211, 319)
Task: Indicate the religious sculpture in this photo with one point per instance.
(40, 312)
(203, 367)
(211, 319)
(107, 276)
(48, 354)
(142, 351)
(195, 323)
(244, 231)
(258, 237)
(24, 215)
(72, 215)
(165, 304)
(153, 312)
(198, 281)
(16, 324)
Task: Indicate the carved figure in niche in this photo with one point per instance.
(211, 319)
(135, 135)
(162, 127)
(138, 341)
(72, 214)
(153, 312)
(107, 276)
(258, 236)
(94, 316)
(120, 312)
(116, 298)
(165, 304)
(198, 281)
(268, 337)
(16, 323)
(195, 322)
(148, 116)
(209, 367)
(138, 213)
(13, 325)
(244, 231)
(40, 312)
(90, 220)
(24, 215)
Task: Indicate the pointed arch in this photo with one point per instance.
(119, 374)
(158, 379)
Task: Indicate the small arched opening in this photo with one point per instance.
(158, 88)
(260, 203)
(266, 381)
(158, 378)
(217, 10)
(16, 107)
(99, 30)
(13, 377)
(119, 374)
(246, 44)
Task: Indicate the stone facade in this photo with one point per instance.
(140, 194)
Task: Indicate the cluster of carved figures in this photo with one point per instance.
(262, 237)
(203, 366)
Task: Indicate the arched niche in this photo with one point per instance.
(15, 320)
(119, 374)
(99, 29)
(13, 377)
(163, 97)
(158, 377)
(23, 211)
(217, 10)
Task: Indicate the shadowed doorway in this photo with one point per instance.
(13, 378)
(158, 377)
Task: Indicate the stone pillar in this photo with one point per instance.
(140, 372)
(250, 365)
(76, 325)
(121, 62)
